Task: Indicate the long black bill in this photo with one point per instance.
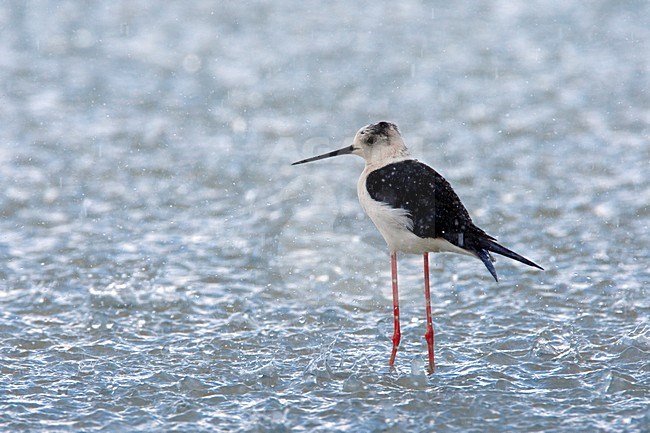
(344, 151)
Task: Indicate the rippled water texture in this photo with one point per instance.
(164, 268)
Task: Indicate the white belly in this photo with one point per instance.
(396, 227)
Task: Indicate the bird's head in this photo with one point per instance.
(379, 142)
(375, 143)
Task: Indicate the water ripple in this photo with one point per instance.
(164, 268)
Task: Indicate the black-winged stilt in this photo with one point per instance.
(416, 211)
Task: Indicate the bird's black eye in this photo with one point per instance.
(371, 139)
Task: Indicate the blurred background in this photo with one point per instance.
(163, 267)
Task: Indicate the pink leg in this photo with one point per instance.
(428, 335)
(396, 334)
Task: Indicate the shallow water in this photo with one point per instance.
(164, 268)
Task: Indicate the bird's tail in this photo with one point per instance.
(490, 245)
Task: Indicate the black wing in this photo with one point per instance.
(434, 207)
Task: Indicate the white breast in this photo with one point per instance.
(395, 225)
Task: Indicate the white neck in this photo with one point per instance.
(379, 157)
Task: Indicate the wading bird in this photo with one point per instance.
(416, 211)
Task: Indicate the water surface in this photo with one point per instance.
(164, 268)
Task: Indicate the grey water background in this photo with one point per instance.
(164, 268)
